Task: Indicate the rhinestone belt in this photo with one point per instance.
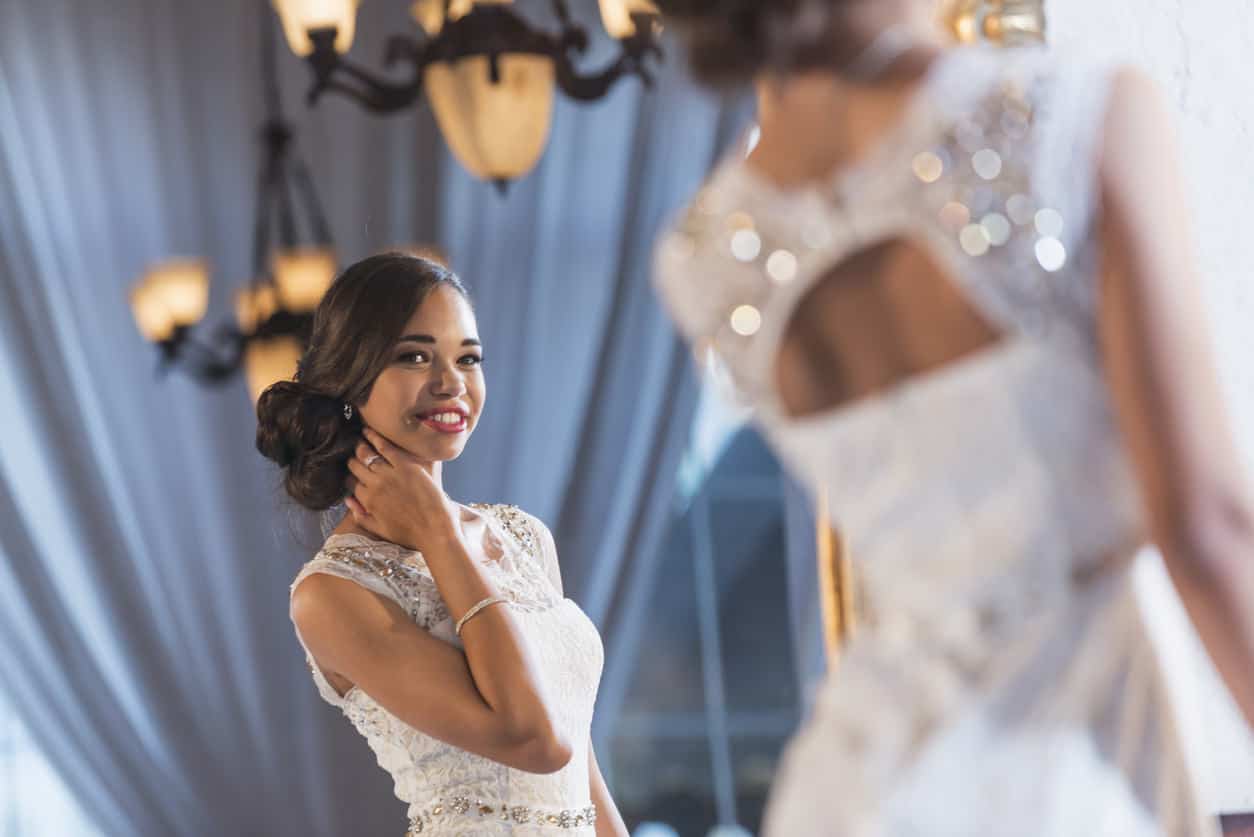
(461, 807)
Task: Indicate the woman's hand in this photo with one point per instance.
(394, 496)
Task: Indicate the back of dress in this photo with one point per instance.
(1006, 682)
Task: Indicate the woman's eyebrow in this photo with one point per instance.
(427, 338)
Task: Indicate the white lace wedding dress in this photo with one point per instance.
(1005, 682)
(450, 791)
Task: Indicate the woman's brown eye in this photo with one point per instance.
(413, 357)
(472, 360)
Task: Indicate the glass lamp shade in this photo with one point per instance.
(616, 15)
(302, 276)
(254, 305)
(300, 16)
(151, 316)
(496, 130)
(429, 14)
(171, 295)
(269, 361)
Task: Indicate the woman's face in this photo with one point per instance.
(428, 398)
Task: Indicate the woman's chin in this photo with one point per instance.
(437, 452)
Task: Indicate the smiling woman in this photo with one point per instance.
(439, 629)
(308, 426)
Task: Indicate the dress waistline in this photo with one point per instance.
(461, 808)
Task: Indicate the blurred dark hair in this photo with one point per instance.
(731, 42)
(301, 423)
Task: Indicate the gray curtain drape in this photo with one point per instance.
(145, 551)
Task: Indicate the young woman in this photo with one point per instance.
(438, 628)
(958, 286)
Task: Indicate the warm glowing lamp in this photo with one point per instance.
(299, 17)
(496, 124)
(302, 276)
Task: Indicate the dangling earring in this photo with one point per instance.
(348, 412)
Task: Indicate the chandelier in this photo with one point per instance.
(274, 312)
(1007, 23)
(489, 75)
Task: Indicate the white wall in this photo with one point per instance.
(1202, 52)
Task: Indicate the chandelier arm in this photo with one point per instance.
(643, 41)
(318, 219)
(572, 37)
(562, 10)
(282, 323)
(283, 198)
(261, 227)
(375, 94)
(632, 60)
(589, 88)
(201, 360)
(368, 98)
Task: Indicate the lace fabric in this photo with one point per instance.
(1005, 681)
(448, 790)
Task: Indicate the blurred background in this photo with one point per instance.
(171, 207)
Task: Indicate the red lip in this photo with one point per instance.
(425, 418)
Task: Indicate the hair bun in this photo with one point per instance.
(305, 432)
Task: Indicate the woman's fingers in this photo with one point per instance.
(357, 510)
(386, 449)
(357, 468)
(363, 451)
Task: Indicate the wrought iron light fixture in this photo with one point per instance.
(489, 75)
(274, 313)
(1007, 23)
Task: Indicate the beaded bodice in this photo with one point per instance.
(993, 170)
(451, 791)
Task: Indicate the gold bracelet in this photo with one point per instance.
(474, 611)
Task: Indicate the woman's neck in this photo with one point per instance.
(436, 470)
(348, 524)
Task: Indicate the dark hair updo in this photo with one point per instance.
(733, 41)
(301, 424)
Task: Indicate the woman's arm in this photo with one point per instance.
(1167, 397)
(427, 683)
(609, 821)
(487, 700)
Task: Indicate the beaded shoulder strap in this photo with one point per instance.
(516, 522)
(533, 582)
(400, 574)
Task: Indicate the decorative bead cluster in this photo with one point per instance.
(406, 574)
(515, 522)
(464, 806)
(981, 165)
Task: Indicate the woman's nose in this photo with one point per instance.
(448, 381)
